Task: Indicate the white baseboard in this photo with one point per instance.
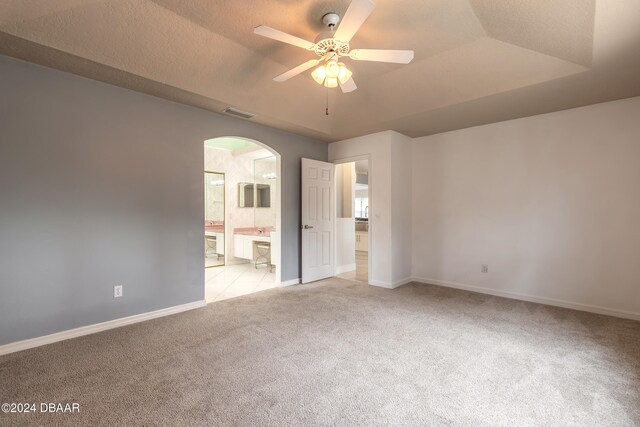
(345, 268)
(289, 282)
(532, 298)
(391, 285)
(402, 282)
(98, 327)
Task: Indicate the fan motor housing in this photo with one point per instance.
(325, 43)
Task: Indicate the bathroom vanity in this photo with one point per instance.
(245, 239)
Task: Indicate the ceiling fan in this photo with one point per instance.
(331, 45)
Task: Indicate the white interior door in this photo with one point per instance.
(318, 218)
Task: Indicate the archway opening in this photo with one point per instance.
(242, 217)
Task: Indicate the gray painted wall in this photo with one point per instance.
(99, 186)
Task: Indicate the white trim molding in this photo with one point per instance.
(289, 282)
(97, 327)
(345, 268)
(391, 285)
(532, 298)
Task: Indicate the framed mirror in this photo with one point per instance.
(214, 184)
(263, 196)
(245, 195)
(265, 178)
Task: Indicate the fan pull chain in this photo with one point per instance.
(326, 111)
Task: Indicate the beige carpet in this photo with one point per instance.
(343, 353)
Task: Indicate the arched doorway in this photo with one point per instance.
(251, 221)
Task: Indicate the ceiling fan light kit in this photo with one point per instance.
(333, 44)
(331, 73)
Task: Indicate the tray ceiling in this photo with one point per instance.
(477, 61)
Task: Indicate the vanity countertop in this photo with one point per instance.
(218, 228)
(254, 231)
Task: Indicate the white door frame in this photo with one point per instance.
(352, 159)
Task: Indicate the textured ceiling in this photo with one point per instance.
(476, 61)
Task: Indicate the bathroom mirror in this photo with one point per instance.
(214, 196)
(214, 184)
(245, 195)
(263, 196)
(265, 176)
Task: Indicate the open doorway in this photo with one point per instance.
(352, 220)
(242, 217)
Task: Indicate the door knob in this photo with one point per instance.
(306, 227)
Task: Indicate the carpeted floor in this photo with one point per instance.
(342, 353)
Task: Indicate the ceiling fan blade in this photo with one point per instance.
(348, 86)
(295, 71)
(274, 34)
(357, 13)
(380, 55)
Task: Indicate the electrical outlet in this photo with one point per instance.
(484, 268)
(117, 291)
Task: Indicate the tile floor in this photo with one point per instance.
(361, 273)
(213, 261)
(234, 280)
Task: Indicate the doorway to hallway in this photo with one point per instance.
(352, 222)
